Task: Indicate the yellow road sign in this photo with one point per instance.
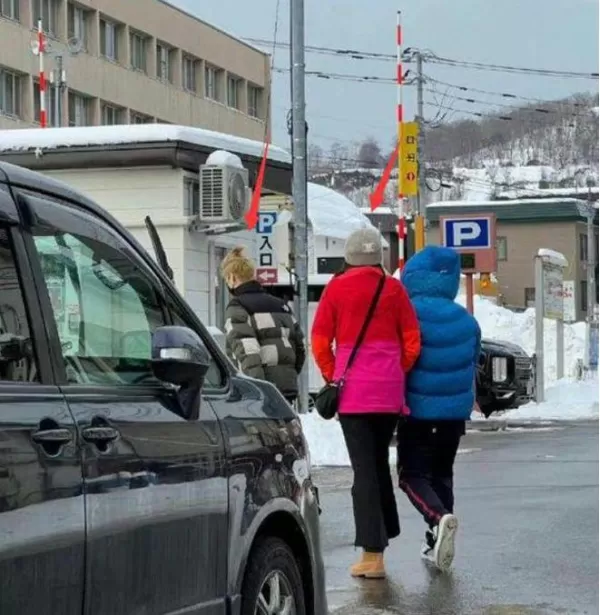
(408, 169)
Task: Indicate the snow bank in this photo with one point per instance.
(565, 401)
(332, 214)
(498, 323)
(52, 138)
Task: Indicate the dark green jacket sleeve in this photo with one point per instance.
(241, 343)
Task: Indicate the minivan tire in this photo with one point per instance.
(271, 564)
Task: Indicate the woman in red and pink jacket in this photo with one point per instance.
(372, 398)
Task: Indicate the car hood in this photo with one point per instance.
(502, 348)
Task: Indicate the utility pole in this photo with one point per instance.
(299, 185)
(590, 275)
(420, 218)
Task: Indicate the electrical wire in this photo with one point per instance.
(430, 56)
(342, 76)
(510, 95)
(269, 94)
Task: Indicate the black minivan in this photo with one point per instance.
(140, 473)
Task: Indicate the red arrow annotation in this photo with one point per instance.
(252, 214)
(377, 196)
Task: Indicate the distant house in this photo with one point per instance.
(524, 226)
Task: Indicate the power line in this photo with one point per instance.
(342, 76)
(429, 56)
(505, 105)
(510, 95)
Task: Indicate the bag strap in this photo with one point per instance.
(365, 326)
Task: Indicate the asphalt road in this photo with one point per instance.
(527, 503)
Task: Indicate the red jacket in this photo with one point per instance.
(375, 383)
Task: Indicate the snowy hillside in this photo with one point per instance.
(551, 145)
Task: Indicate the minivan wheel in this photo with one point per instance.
(273, 584)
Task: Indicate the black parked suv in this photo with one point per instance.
(140, 473)
(505, 376)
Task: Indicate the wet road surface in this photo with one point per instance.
(527, 504)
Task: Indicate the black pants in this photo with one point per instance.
(426, 454)
(368, 438)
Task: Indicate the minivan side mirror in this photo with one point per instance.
(180, 357)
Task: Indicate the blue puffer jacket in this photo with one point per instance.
(440, 385)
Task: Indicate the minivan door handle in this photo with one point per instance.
(100, 434)
(52, 436)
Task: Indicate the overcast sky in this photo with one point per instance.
(547, 34)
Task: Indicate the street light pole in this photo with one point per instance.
(299, 185)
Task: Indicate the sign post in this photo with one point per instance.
(549, 303)
(474, 238)
(267, 270)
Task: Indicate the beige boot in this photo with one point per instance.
(370, 566)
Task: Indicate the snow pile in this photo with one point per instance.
(565, 401)
(53, 138)
(332, 214)
(498, 323)
(224, 158)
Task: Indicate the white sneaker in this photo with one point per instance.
(443, 551)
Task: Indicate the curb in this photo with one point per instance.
(500, 425)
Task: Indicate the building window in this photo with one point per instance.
(77, 26)
(140, 118)
(50, 104)
(530, 296)
(137, 44)
(163, 62)
(10, 93)
(188, 78)
(191, 197)
(79, 110)
(501, 249)
(583, 247)
(212, 78)
(583, 296)
(47, 11)
(9, 9)
(330, 264)
(111, 115)
(233, 92)
(254, 100)
(109, 46)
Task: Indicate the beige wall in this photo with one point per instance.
(133, 91)
(516, 273)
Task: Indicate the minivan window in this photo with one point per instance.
(17, 359)
(104, 307)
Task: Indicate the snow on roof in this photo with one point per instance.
(527, 192)
(548, 201)
(54, 138)
(554, 257)
(332, 214)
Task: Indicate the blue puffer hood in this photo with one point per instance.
(432, 272)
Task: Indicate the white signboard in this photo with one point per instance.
(569, 305)
(553, 291)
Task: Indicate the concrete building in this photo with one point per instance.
(523, 227)
(140, 61)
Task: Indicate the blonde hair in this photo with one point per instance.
(235, 263)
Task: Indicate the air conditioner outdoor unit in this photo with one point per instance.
(224, 194)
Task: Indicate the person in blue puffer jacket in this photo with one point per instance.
(440, 394)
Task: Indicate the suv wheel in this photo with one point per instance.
(273, 585)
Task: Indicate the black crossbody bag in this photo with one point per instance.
(328, 398)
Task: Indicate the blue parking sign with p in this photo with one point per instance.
(465, 233)
(266, 222)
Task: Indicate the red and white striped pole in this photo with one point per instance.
(400, 118)
(43, 82)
